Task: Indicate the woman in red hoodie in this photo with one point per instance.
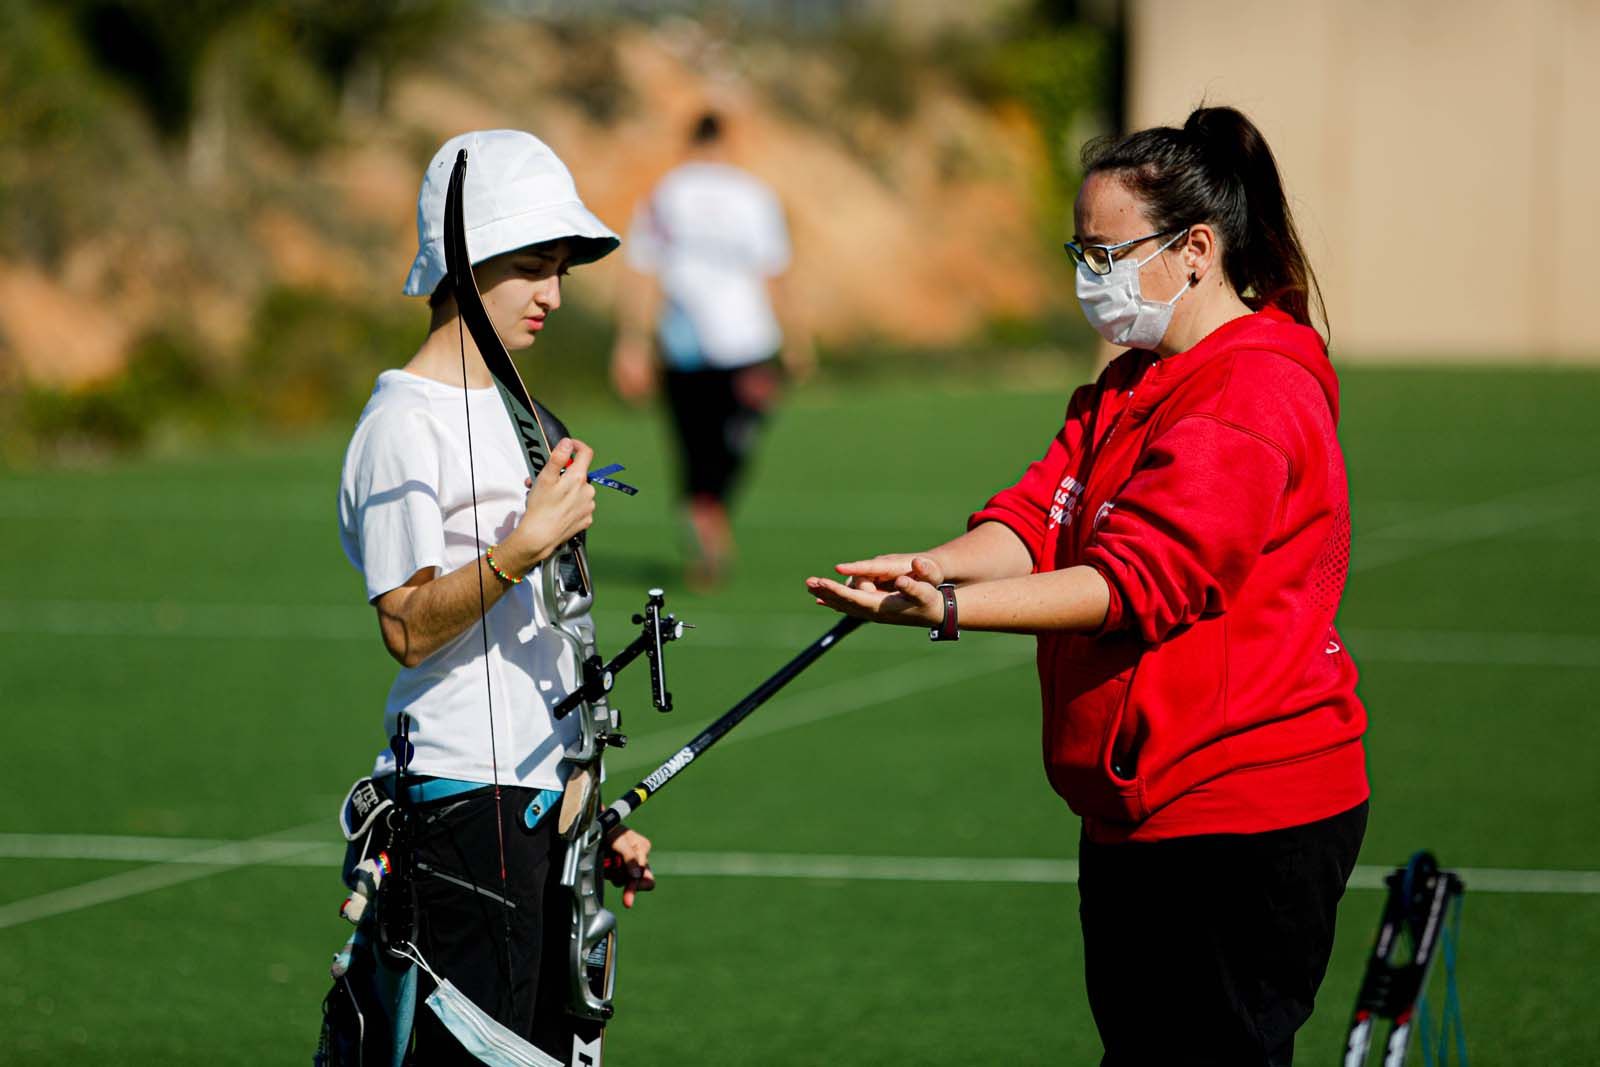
(1179, 552)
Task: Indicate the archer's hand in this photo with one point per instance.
(627, 864)
(560, 506)
(881, 591)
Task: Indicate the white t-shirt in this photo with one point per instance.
(712, 235)
(405, 504)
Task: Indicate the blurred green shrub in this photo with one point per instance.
(278, 86)
(1060, 68)
(312, 357)
(42, 69)
(289, 66)
(1058, 346)
(356, 43)
(591, 74)
(155, 51)
(310, 363)
(167, 389)
(62, 126)
(92, 88)
(881, 71)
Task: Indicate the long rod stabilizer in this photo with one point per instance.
(656, 780)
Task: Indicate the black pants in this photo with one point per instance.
(510, 960)
(717, 415)
(1209, 950)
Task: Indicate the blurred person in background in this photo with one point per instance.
(708, 248)
(447, 536)
(1180, 552)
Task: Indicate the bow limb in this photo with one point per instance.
(564, 579)
(568, 595)
(531, 420)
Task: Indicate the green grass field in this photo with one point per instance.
(190, 680)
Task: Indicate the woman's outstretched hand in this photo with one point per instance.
(897, 589)
(882, 570)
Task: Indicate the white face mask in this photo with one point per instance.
(1117, 309)
(478, 1033)
(481, 1035)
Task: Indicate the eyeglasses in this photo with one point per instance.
(1098, 258)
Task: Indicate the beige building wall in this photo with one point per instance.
(1442, 158)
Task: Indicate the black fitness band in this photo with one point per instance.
(947, 630)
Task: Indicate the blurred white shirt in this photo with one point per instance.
(712, 235)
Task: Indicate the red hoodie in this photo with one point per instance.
(1208, 489)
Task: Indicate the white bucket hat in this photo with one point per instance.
(518, 193)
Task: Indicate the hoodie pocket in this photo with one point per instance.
(1087, 683)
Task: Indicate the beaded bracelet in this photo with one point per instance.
(488, 555)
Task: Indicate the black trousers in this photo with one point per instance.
(510, 959)
(1209, 950)
(716, 416)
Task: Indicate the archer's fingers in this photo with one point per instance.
(630, 846)
(560, 457)
(640, 880)
(634, 848)
(582, 456)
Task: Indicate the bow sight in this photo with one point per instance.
(598, 677)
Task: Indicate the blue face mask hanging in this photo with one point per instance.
(491, 1043)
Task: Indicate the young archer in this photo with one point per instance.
(437, 513)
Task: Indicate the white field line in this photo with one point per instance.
(188, 860)
(1485, 520)
(1502, 649)
(1480, 521)
(182, 854)
(184, 861)
(1049, 871)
